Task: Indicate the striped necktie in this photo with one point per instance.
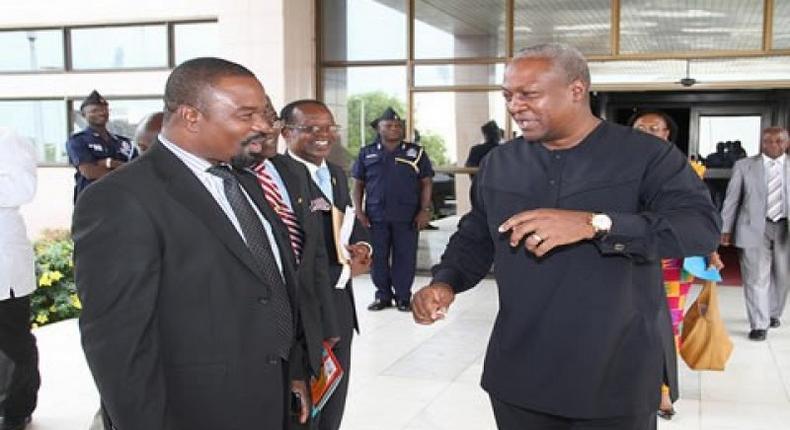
(774, 191)
(272, 193)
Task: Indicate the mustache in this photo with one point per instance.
(252, 138)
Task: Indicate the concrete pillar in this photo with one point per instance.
(472, 110)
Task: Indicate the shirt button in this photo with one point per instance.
(557, 156)
(263, 300)
(619, 247)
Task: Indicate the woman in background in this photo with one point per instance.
(677, 281)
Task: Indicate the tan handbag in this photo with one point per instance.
(705, 344)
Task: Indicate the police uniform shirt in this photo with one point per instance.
(577, 333)
(87, 146)
(392, 180)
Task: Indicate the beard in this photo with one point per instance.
(247, 158)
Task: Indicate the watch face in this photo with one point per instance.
(601, 222)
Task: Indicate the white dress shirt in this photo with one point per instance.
(17, 187)
(768, 162)
(312, 168)
(215, 187)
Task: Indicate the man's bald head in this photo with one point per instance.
(147, 130)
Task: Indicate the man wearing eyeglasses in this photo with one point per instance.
(288, 189)
(310, 132)
(394, 177)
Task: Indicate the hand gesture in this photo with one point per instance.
(545, 229)
(431, 303)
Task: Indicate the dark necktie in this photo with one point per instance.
(261, 249)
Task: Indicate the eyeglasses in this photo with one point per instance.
(315, 129)
(277, 124)
(651, 129)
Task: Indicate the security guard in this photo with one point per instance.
(94, 151)
(395, 178)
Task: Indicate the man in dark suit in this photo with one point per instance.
(576, 214)
(184, 271)
(288, 189)
(492, 136)
(310, 131)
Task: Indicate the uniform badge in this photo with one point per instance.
(371, 155)
(95, 147)
(126, 148)
(411, 153)
(320, 204)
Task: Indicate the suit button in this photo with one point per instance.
(263, 300)
(619, 247)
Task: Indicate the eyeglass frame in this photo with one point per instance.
(314, 129)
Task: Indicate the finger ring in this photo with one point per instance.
(537, 238)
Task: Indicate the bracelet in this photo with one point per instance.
(108, 163)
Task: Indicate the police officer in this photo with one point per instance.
(395, 179)
(95, 151)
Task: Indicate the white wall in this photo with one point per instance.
(273, 38)
(74, 12)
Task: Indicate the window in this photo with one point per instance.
(358, 95)
(43, 121)
(31, 50)
(125, 114)
(363, 30)
(459, 74)
(200, 39)
(449, 125)
(648, 26)
(714, 129)
(781, 29)
(459, 28)
(123, 47)
(584, 24)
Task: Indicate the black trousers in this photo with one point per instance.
(510, 417)
(18, 344)
(332, 414)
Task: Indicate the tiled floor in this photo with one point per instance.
(411, 377)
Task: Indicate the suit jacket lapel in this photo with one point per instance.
(760, 177)
(192, 194)
(340, 195)
(292, 182)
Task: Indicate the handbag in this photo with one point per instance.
(705, 344)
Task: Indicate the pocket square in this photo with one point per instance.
(320, 204)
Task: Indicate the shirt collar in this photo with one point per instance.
(312, 168)
(195, 163)
(768, 160)
(380, 147)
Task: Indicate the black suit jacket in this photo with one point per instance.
(318, 312)
(176, 322)
(477, 152)
(341, 200)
